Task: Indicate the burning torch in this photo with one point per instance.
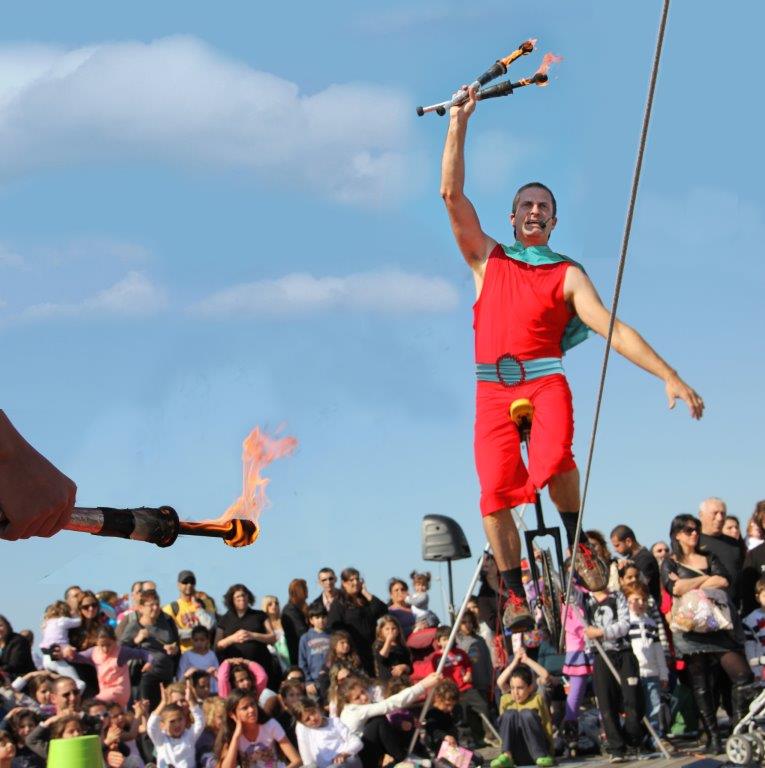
(158, 525)
(504, 88)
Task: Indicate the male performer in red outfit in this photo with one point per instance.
(533, 304)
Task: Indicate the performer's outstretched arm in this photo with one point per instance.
(581, 294)
(474, 243)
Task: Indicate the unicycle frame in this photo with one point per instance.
(523, 423)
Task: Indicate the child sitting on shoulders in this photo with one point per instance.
(324, 741)
(54, 643)
(420, 598)
(525, 724)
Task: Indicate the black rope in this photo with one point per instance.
(617, 291)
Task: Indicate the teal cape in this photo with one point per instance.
(536, 256)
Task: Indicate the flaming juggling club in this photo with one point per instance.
(158, 525)
(505, 88)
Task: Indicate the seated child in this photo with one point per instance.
(173, 737)
(249, 738)
(111, 662)
(199, 656)
(524, 724)
(365, 718)
(439, 721)
(754, 632)
(324, 741)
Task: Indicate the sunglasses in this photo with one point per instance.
(689, 529)
(88, 606)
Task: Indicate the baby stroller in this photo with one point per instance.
(746, 743)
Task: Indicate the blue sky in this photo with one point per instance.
(216, 219)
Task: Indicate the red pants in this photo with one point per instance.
(505, 480)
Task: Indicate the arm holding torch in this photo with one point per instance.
(473, 242)
(36, 499)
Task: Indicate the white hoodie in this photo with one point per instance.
(355, 715)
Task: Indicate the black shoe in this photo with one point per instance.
(714, 745)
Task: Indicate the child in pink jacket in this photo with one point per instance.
(111, 662)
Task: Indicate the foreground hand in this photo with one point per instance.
(36, 499)
(677, 388)
(593, 633)
(432, 680)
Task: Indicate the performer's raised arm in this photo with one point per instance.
(474, 243)
(581, 294)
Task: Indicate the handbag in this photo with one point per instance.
(701, 610)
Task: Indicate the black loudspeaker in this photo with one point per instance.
(443, 539)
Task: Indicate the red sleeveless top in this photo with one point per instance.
(521, 310)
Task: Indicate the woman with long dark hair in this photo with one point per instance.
(295, 616)
(356, 611)
(399, 608)
(245, 633)
(247, 738)
(15, 652)
(689, 567)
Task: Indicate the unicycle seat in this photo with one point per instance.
(521, 413)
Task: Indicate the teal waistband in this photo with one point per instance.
(509, 371)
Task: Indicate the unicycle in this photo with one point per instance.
(549, 588)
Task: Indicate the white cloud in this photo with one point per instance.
(177, 100)
(9, 257)
(383, 292)
(134, 295)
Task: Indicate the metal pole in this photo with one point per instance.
(452, 637)
(451, 590)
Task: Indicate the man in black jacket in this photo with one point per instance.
(729, 551)
(626, 545)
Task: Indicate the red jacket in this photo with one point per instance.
(458, 668)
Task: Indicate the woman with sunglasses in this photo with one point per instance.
(689, 567)
(84, 637)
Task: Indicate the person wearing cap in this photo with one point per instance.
(191, 609)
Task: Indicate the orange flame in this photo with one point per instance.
(258, 451)
(547, 61)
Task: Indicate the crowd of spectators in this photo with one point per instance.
(340, 679)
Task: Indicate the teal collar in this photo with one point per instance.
(538, 256)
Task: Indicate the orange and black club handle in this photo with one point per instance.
(496, 70)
